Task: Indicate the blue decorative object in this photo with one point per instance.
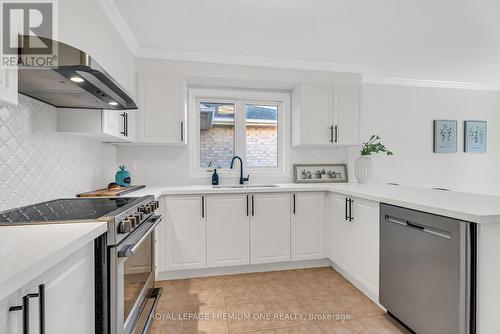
(122, 177)
(445, 136)
(215, 177)
(475, 136)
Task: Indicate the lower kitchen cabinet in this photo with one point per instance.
(353, 228)
(270, 228)
(185, 232)
(228, 233)
(308, 225)
(67, 293)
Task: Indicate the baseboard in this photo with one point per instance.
(367, 292)
(252, 268)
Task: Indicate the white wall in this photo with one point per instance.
(403, 117)
(37, 163)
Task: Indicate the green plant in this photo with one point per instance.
(374, 146)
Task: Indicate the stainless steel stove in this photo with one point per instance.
(124, 256)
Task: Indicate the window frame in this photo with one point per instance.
(240, 98)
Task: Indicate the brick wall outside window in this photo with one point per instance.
(217, 145)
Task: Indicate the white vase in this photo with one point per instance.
(363, 167)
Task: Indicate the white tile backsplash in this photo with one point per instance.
(37, 163)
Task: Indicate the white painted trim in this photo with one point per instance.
(379, 80)
(251, 268)
(113, 14)
(230, 59)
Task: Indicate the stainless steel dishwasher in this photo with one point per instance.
(427, 271)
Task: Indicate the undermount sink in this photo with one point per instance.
(236, 186)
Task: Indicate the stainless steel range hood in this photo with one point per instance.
(76, 82)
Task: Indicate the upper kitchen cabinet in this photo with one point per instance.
(325, 114)
(111, 126)
(163, 109)
(8, 86)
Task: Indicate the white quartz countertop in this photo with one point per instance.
(471, 207)
(30, 250)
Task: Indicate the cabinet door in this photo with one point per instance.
(162, 116)
(270, 228)
(69, 295)
(8, 86)
(308, 226)
(347, 104)
(113, 123)
(132, 126)
(340, 232)
(228, 234)
(10, 321)
(366, 231)
(312, 114)
(185, 233)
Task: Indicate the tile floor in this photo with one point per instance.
(279, 302)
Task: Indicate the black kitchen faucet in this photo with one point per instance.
(242, 179)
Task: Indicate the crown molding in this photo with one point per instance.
(220, 58)
(379, 80)
(113, 13)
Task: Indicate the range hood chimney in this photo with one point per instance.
(76, 82)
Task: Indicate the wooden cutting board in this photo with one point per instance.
(120, 191)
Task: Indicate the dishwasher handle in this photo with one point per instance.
(423, 228)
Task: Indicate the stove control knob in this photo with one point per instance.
(155, 204)
(125, 226)
(138, 217)
(133, 220)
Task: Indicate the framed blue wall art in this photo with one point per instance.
(475, 136)
(445, 136)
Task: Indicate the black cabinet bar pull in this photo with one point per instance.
(41, 291)
(294, 207)
(26, 311)
(124, 132)
(346, 205)
(126, 125)
(182, 131)
(202, 206)
(350, 209)
(336, 133)
(247, 205)
(253, 206)
(331, 133)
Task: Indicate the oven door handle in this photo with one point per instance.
(143, 231)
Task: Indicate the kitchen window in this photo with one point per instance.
(229, 123)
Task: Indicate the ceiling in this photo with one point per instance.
(442, 40)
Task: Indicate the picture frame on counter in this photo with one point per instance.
(445, 136)
(475, 136)
(320, 173)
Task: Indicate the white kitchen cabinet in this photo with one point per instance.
(340, 232)
(163, 109)
(270, 228)
(68, 294)
(228, 233)
(114, 126)
(8, 86)
(308, 225)
(365, 232)
(325, 114)
(185, 232)
(354, 239)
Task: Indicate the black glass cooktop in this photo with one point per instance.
(65, 209)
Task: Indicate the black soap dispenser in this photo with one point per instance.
(215, 177)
